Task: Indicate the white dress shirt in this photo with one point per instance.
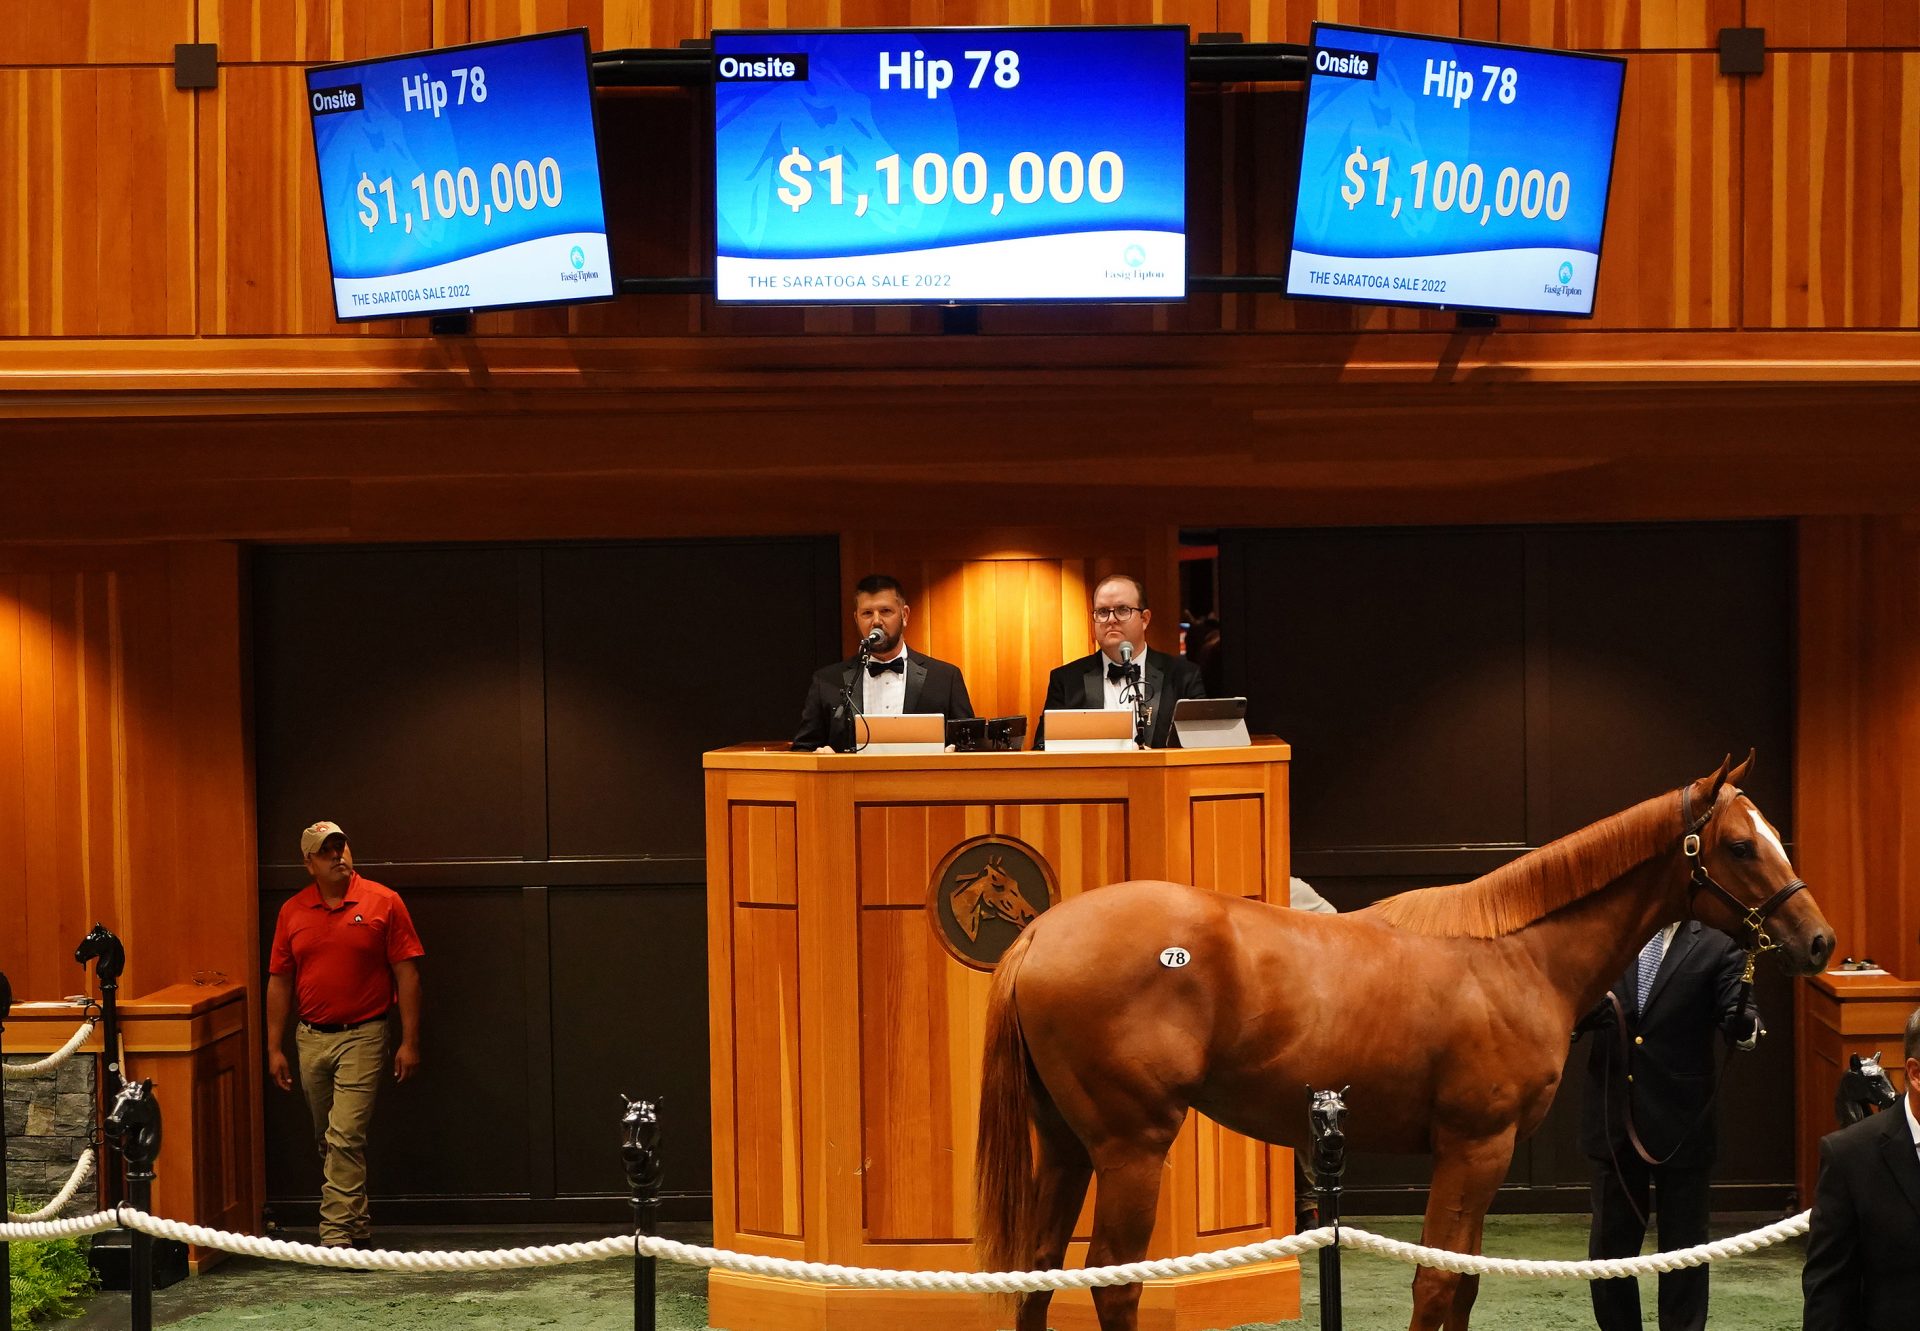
(1114, 701)
(885, 694)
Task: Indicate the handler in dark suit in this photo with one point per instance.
(1682, 991)
(1863, 1254)
(1097, 682)
(895, 681)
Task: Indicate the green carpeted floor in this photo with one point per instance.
(1760, 1292)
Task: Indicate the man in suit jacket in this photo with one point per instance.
(894, 681)
(1100, 681)
(1660, 1069)
(1863, 1254)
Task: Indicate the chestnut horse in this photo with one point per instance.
(1447, 1012)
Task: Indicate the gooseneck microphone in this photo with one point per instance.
(874, 638)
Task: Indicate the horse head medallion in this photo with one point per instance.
(986, 890)
(1865, 1089)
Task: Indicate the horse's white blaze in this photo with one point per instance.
(1765, 829)
(1175, 957)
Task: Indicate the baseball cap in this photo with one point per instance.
(311, 838)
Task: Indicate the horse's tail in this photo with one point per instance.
(1005, 1218)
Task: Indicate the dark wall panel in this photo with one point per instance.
(630, 974)
(1666, 648)
(1389, 660)
(386, 692)
(513, 739)
(657, 653)
(1450, 691)
(441, 1132)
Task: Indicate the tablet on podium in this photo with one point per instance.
(1088, 730)
(1211, 723)
(910, 733)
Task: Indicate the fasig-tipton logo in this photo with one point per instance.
(1564, 287)
(1345, 64)
(331, 101)
(766, 67)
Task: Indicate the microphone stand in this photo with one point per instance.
(848, 703)
(1136, 680)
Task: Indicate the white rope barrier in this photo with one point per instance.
(1602, 1269)
(17, 1071)
(81, 1168)
(995, 1282)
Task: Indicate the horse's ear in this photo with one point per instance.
(1738, 776)
(1717, 780)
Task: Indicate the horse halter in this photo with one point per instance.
(1753, 919)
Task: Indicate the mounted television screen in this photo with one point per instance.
(951, 164)
(1453, 174)
(461, 179)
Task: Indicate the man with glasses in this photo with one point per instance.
(345, 948)
(1149, 683)
(885, 679)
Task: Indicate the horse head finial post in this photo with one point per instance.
(640, 1150)
(133, 1127)
(106, 952)
(1865, 1089)
(1327, 1114)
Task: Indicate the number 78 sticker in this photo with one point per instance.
(1175, 957)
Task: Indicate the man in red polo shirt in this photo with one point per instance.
(345, 949)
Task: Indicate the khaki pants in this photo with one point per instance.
(340, 1073)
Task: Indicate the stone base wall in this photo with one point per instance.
(49, 1121)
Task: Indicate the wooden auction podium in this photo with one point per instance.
(846, 1026)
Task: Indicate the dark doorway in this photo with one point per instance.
(1456, 697)
(512, 737)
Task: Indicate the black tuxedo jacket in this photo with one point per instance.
(1672, 1051)
(1083, 684)
(932, 686)
(1863, 1255)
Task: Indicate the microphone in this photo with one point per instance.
(874, 638)
(1126, 652)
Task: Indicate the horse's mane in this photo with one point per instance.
(1541, 881)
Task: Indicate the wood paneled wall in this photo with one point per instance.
(1789, 200)
(1857, 778)
(1008, 605)
(125, 789)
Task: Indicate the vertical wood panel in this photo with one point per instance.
(766, 1071)
(900, 845)
(96, 226)
(316, 31)
(93, 32)
(1856, 776)
(1617, 25)
(1231, 1177)
(1228, 845)
(1833, 192)
(1085, 843)
(764, 859)
(613, 24)
(1791, 23)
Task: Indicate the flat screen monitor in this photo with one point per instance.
(950, 164)
(1453, 174)
(462, 179)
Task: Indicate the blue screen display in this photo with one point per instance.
(1453, 174)
(461, 179)
(988, 164)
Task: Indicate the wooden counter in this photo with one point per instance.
(846, 1029)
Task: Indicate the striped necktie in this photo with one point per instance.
(1650, 957)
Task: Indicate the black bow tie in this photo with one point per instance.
(1116, 673)
(898, 666)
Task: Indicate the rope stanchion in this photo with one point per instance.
(21, 1071)
(81, 1168)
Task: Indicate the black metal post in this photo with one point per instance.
(109, 958)
(1328, 1113)
(134, 1125)
(641, 1151)
(6, 1249)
